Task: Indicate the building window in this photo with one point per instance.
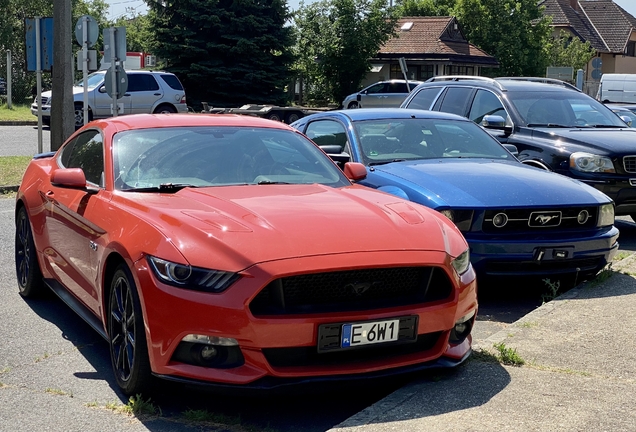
(426, 72)
(460, 70)
(631, 49)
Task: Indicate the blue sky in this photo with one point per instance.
(122, 7)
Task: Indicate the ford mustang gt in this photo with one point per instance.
(231, 251)
(518, 220)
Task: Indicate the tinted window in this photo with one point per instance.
(327, 132)
(455, 100)
(424, 98)
(397, 87)
(141, 82)
(86, 152)
(486, 103)
(172, 81)
(377, 88)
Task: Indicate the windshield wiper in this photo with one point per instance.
(270, 182)
(386, 162)
(550, 125)
(608, 126)
(163, 188)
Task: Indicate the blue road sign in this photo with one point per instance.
(46, 44)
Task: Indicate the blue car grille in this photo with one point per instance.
(629, 163)
(352, 290)
(524, 220)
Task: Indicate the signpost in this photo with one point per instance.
(86, 33)
(116, 80)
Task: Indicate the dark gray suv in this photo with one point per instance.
(553, 125)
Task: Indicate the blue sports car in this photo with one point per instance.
(518, 220)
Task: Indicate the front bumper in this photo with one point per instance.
(172, 313)
(550, 255)
(46, 110)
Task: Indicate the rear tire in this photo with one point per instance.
(165, 109)
(127, 334)
(27, 267)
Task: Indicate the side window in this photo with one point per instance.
(424, 98)
(172, 81)
(398, 87)
(86, 152)
(142, 82)
(377, 88)
(455, 100)
(486, 103)
(327, 132)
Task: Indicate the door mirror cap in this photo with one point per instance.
(69, 177)
(493, 121)
(355, 171)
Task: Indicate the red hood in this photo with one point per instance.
(251, 224)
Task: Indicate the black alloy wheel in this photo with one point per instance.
(128, 348)
(27, 268)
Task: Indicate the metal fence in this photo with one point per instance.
(18, 86)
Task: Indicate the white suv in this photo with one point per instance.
(148, 92)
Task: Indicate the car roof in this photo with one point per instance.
(147, 121)
(504, 83)
(395, 113)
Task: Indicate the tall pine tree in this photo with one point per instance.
(225, 52)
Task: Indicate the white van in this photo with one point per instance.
(617, 88)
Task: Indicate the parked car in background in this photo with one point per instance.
(203, 249)
(553, 125)
(618, 88)
(625, 113)
(148, 92)
(382, 94)
(518, 220)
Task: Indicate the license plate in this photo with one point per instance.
(368, 333)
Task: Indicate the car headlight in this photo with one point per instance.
(461, 218)
(587, 162)
(194, 278)
(606, 215)
(462, 262)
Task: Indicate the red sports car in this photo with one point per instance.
(231, 251)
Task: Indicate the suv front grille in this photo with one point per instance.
(524, 220)
(352, 290)
(629, 163)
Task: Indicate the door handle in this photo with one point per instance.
(157, 94)
(126, 94)
(50, 193)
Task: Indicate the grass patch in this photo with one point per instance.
(508, 356)
(16, 113)
(5, 370)
(92, 404)
(136, 405)
(57, 392)
(12, 169)
(603, 275)
(621, 255)
(528, 324)
(553, 290)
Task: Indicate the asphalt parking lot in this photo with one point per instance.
(55, 372)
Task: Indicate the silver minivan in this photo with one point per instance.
(383, 94)
(148, 92)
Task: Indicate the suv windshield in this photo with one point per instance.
(94, 80)
(562, 109)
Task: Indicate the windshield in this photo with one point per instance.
(565, 108)
(218, 156)
(392, 140)
(94, 80)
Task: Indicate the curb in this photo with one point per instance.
(18, 123)
(7, 189)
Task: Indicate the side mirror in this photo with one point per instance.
(493, 121)
(331, 148)
(69, 177)
(102, 89)
(355, 171)
(627, 120)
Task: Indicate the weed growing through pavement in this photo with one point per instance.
(57, 392)
(621, 255)
(92, 404)
(603, 275)
(508, 356)
(5, 370)
(528, 324)
(553, 290)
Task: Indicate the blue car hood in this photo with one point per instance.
(483, 183)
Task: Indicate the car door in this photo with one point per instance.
(72, 217)
(103, 103)
(396, 93)
(144, 92)
(374, 96)
(455, 100)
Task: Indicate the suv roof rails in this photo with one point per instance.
(465, 78)
(552, 81)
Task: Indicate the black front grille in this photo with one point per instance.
(584, 265)
(309, 356)
(532, 220)
(352, 290)
(629, 163)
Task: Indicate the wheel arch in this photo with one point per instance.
(537, 164)
(161, 104)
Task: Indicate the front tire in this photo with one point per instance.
(128, 347)
(79, 115)
(353, 105)
(27, 267)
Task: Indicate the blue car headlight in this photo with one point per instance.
(606, 215)
(461, 218)
(194, 278)
(462, 262)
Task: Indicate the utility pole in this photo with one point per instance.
(62, 108)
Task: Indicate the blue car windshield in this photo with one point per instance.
(175, 157)
(388, 140)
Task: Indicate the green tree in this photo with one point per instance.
(225, 52)
(427, 7)
(569, 50)
(337, 39)
(513, 31)
(138, 32)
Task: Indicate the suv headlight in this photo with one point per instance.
(587, 162)
(188, 277)
(462, 262)
(606, 215)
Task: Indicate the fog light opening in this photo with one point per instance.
(208, 352)
(500, 220)
(583, 216)
(462, 328)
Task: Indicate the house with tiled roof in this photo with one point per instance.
(431, 46)
(609, 28)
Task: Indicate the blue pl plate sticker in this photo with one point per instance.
(346, 335)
